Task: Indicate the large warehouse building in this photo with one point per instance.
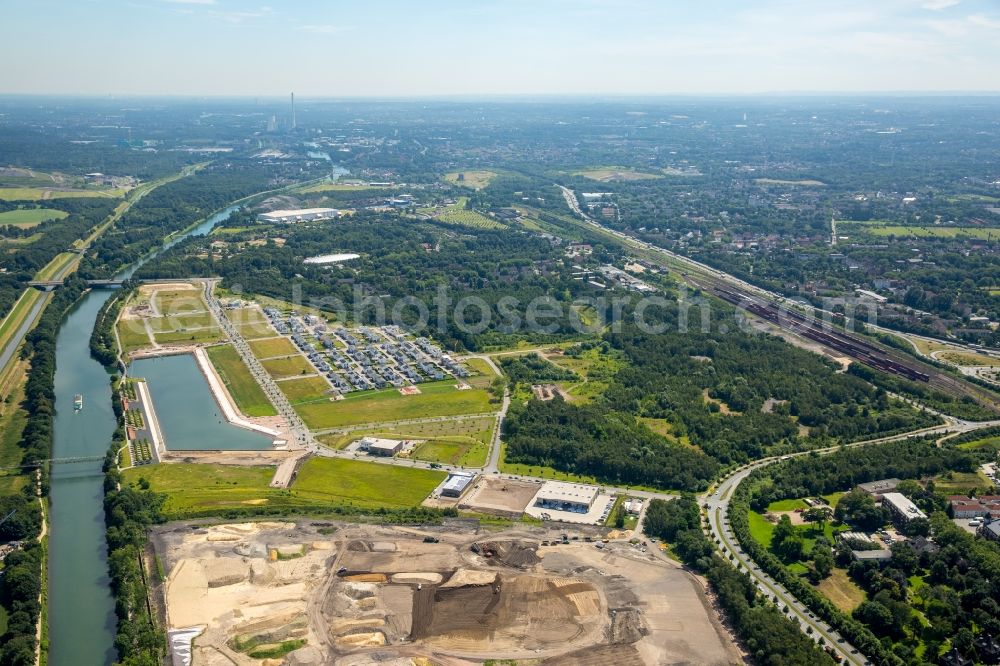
(562, 496)
(456, 484)
(298, 215)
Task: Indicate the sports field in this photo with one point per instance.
(247, 393)
(271, 347)
(26, 218)
(287, 366)
(304, 389)
(435, 399)
(477, 180)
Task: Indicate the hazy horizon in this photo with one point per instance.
(394, 49)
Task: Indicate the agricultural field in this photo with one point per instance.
(26, 218)
(44, 193)
(367, 485)
(271, 347)
(287, 366)
(249, 396)
(305, 389)
(477, 180)
(882, 229)
(435, 399)
(616, 174)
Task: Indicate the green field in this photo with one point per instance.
(960, 483)
(461, 451)
(132, 335)
(189, 337)
(271, 347)
(39, 193)
(613, 174)
(30, 217)
(194, 489)
(243, 316)
(878, 228)
(369, 485)
(986, 443)
(287, 366)
(435, 399)
(304, 389)
(179, 301)
(182, 322)
(12, 422)
(477, 180)
(249, 396)
(841, 590)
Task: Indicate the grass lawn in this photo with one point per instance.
(841, 590)
(760, 529)
(271, 347)
(181, 322)
(304, 389)
(57, 267)
(464, 452)
(249, 396)
(787, 505)
(287, 366)
(132, 335)
(435, 399)
(243, 316)
(190, 337)
(477, 180)
(26, 218)
(17, 313)
(368, 485)
(966, 359)
(179, 301)
(554, 474)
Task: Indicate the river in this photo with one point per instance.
(81, 608)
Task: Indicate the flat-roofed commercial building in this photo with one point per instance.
(298, 215)
(902, 509)
(562, 496)
(381, 447)
(456, 484)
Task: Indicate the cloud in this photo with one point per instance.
(938, 5)
(323, 29)
(984, 21)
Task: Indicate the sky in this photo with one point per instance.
(413, 48)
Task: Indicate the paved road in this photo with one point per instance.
(716, 504)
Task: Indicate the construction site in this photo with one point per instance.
(321, 592)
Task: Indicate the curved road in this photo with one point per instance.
(716, 504)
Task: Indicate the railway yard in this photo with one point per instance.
(360, 594)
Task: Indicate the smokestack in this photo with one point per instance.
(293, 111)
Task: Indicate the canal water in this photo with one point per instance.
(81, 609)
(189, 416)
